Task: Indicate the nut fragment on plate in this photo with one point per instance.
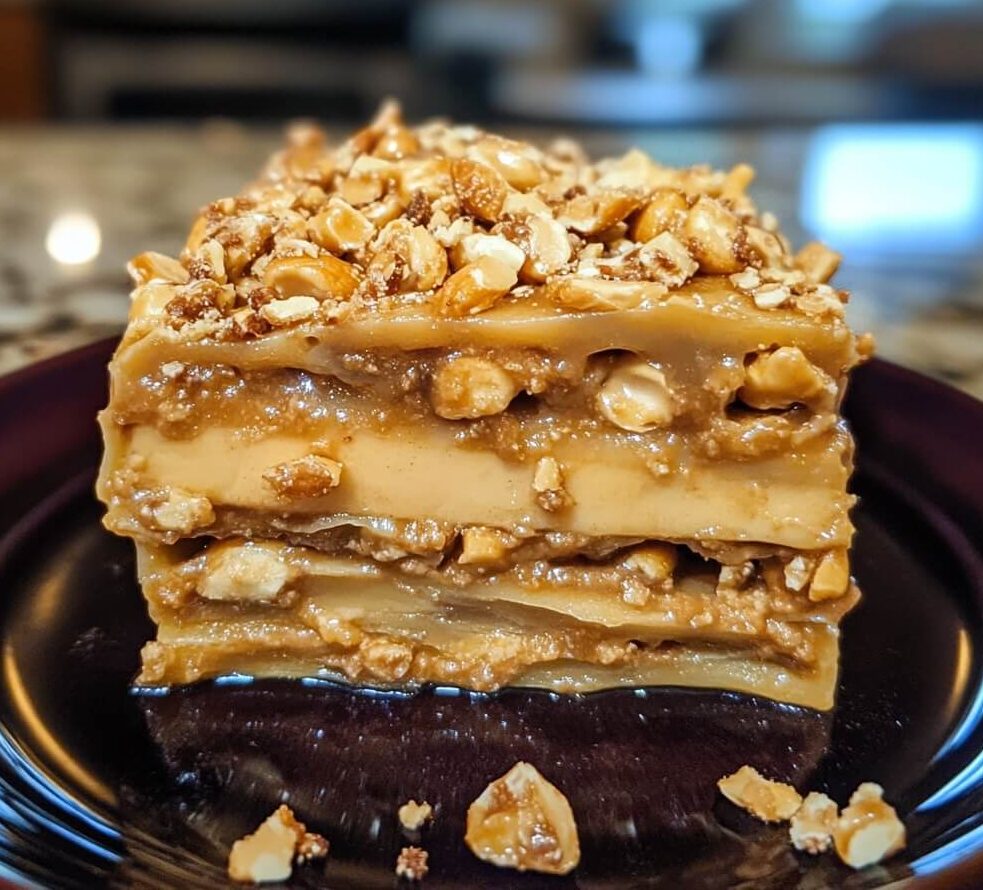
(869, 829)
(521, 821)
(411, 864)
(866, 832)
(312, 846)
(767, 800)
(812, 826)
(413, 815)
(268, 853)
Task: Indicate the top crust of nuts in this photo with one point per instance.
(521, 821)
(477, 215)
(767, 800)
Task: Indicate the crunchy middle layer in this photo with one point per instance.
(646, 591)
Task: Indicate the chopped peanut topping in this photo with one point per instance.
(481, 188)
(591, 215)
(869, 829)
(281, 313)
(150, 267)
(518, 162)
(664, 212)
(322, 276)
(767, 800)
(471, 247)
(771, 296)
(813, 823)
(521, 821)
(459, 199)
(595, 294)
(668, 259)
(340, 227)
(413, 815)
(476, 287)
(712, 233)
(817, 261)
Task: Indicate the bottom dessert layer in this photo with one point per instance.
(264, 608)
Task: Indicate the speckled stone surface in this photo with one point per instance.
(142, 185)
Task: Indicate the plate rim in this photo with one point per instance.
(963, 873)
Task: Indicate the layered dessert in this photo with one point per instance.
(434, 405)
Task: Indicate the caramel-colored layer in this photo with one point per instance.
(707, 315)
(798, 501)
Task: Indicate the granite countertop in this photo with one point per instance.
(916, 276)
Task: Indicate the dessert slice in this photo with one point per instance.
(436, 405)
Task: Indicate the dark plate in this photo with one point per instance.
(99, 786)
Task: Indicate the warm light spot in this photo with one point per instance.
(73, 239)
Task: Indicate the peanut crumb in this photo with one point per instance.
(485, 546)
(763, 798)
(413, 815)
(183, 512)
(548, 483)
(811, 829)
(311, 476)
(412, 864)
(312, 846)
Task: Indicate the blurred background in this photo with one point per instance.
(864, 119)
